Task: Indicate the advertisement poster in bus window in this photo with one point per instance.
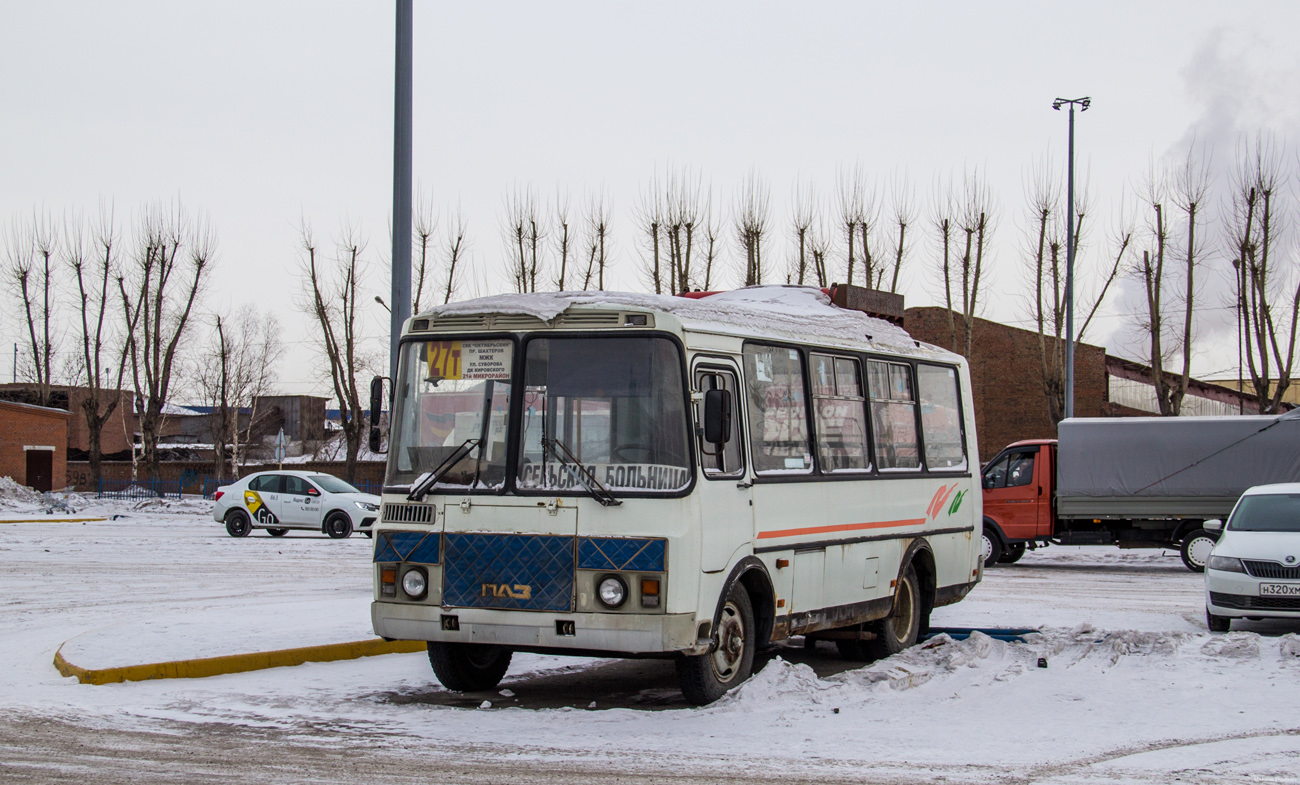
(469, 360)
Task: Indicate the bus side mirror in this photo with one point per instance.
(717, 416)
(376, 410)
(1213, 525)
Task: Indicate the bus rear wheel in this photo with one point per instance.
(707, 677)
(901, 628)
(468, 667)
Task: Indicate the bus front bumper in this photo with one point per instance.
(615, 633)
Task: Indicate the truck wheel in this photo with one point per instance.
(902, 626)
(1196, 549)
(992, 547)
(468, 667)
(707, 677)
(238, 524)
(1012, 553)
(1217, 623)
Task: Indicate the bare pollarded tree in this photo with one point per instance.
(239, 367)
(752, 216)
(1045, 250)
(683, 208)
(169, 268)
(882, 273)
(857, 216)
(32, 279)
(1267, 307)
(1165, 257)
(525, 234)
(595, 243)
(91, 252)
(332, 296)
(424, 227)
(962, 224)
(563, 240)
(711, 240)
(651, 219)
(455, 247)
(803, 214)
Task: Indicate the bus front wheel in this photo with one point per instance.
(707, 677)
(468, 667)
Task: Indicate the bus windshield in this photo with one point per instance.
(615, 406)
(449, 393)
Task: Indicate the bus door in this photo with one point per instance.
(726, 498)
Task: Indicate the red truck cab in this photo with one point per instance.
(1019, 489)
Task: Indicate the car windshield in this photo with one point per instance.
(616, 406)
(449, 392)
(1274, 512)
(331, 484)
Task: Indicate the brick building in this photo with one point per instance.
(116, 436)
(34, 445)
(1007, 382)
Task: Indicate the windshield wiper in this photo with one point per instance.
(425, 482)
(585, 478)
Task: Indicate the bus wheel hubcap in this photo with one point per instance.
(731, 644)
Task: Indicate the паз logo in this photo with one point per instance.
(519, 591)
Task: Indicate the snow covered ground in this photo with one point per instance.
(1135, 689)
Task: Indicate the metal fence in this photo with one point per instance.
(369, 487)
(152, 488)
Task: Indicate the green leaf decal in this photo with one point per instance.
(956, 502)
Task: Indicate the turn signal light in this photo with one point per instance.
(388, 581)
(649, 593)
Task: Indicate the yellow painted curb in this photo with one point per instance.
(235, 663)
(50, 520)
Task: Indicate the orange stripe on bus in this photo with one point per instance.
(842, 527)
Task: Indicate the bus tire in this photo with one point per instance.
(238, 524)
(707, 677)
(1196, 549)
(277, 532)
(1012, 553)
(468, 667)
(901, 628)
(338, 526)
(992, 546)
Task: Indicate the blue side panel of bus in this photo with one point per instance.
(418, 547)
(530, 572)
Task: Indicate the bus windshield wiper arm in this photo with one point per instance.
(585, 478)
(425, 482)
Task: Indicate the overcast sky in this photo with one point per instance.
(267, 114)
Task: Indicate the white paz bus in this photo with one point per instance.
(632, 475)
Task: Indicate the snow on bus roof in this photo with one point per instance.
(798, 312)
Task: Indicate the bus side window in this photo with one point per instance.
(893, 415)
(840, 414)
(778, 418)
(941, 418)
(729, 461)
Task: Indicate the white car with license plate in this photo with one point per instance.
(1254, 569)
(283, 500)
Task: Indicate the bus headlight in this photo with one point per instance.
(611, 591)
(414, 583)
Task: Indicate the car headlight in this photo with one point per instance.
(414, 583)
(612, 591)
(1226, 564)
(368, 507)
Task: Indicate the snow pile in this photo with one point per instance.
(794, 311)
(15, 496)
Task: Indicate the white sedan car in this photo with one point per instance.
(1254, 569)
(284, 500)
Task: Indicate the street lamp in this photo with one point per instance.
(1083, 104)
(401, 283)
(380, 300)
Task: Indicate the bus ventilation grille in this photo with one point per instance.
(408, 513)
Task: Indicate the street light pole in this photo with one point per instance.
(401, 289)
(1083, 103)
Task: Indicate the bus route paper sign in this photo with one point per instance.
(469, 359)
